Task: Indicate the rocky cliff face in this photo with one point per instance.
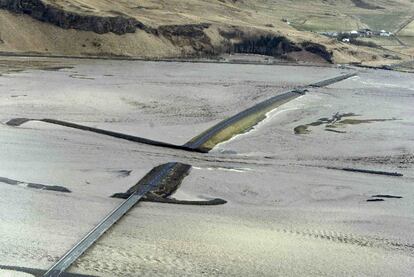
(190, 36)
(275, 46)
(270, 45)
(69, 20)
(318, 49)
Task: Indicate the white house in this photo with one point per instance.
(384, 33)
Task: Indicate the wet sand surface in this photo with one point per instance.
(287, 213)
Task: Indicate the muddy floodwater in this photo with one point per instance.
(291, 210)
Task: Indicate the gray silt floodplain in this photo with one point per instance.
(286, 212)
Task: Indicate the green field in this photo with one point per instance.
(388, 22)
(346, 22)
(407, 40)
(382, 41)
(327, 23)
(408, 31)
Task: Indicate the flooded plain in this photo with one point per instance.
(290, 211)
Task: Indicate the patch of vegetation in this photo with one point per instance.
(359, 42)
(301, 129)
(241, 126)
(336, 121)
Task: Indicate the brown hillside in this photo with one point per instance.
(174, 28)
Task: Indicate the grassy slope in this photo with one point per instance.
(408, 30)
(23, 34)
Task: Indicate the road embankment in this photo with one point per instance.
(245, 120)
(221, 132)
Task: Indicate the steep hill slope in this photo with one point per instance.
(195, 28)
